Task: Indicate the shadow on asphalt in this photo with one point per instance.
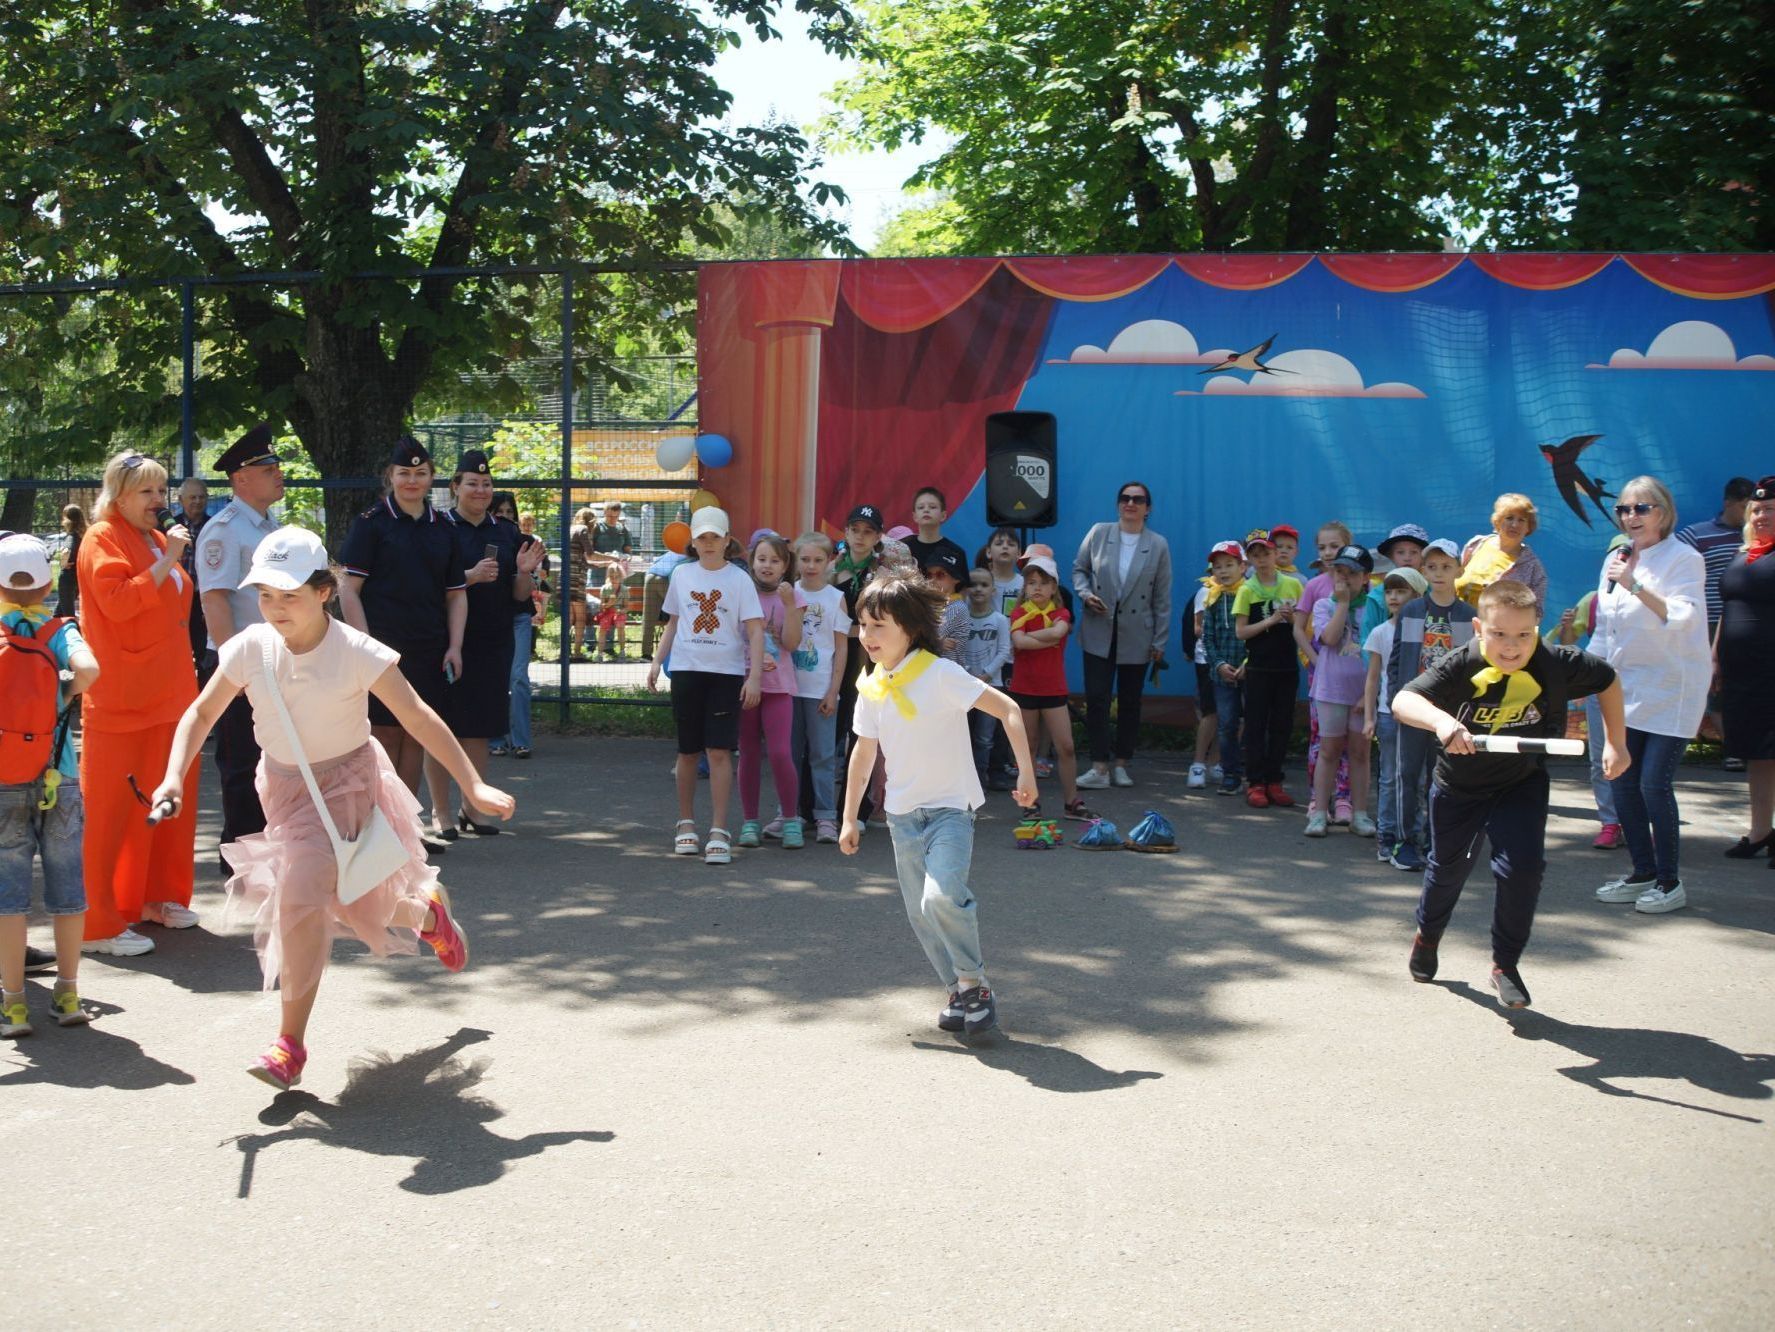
(422, 1105)
(1047, 1067)
(1641, 1052)
(581, 908)
(86, 1057)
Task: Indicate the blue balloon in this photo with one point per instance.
(714, 450)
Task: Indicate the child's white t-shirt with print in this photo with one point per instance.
(1380, 640)
(821, 623)
(711, 607)
(930, 755)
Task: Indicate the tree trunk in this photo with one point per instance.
(1309, 225)
(348, 413)
(19, 512)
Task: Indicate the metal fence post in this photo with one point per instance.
(188, 384)
(566, 494)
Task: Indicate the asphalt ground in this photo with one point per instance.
(671, 1095)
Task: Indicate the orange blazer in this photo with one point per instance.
(137, 631)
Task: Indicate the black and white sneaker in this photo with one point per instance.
(979, 1012)
(1512, 993)
(38, 962)
(1423, 959)
(952, 1017)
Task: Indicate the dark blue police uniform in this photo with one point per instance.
(408, 566)
(480, 702)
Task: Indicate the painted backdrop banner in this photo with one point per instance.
(1246, 390)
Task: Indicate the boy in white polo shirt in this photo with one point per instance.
(717, 627)
(913, 707)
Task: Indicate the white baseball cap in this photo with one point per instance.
(23, 562)
(710, 519)
(286, 560)
(1043, 563)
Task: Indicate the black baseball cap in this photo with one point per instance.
(866, 513)
(949, 562)
(1354, 557)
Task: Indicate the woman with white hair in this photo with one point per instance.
(1651, 626)
(135, 609)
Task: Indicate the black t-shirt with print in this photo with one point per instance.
(1529, 702)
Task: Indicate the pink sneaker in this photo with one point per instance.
(1611, 838)
(445, 937)
(1340, 812)
(281, 1064)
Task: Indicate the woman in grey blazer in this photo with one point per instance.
(1122, 578)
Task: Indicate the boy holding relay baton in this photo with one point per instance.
(1505, 686)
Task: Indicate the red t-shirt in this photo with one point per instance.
(1041, 671)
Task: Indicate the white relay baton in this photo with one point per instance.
(1511, 744)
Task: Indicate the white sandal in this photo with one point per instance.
(684, 843)
(719, 851)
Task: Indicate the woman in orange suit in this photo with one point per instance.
(135, 602)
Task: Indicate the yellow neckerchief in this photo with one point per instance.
(1288, 569)
(1520, 690)
(36, 615)
(1028, 612)
(1217, 590)
(880, 684)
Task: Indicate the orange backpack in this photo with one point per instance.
(30, 687)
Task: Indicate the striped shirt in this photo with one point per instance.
(1719, 546)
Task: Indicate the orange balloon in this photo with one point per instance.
(704, 499)
(677, 537)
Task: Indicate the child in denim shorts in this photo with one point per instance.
(41, 817)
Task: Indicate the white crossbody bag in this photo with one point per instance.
(377, 854)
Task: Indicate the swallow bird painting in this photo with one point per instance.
(1570, 477)
(1248, 360)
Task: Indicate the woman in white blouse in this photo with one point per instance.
(1651, 626)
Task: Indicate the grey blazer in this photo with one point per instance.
(1141, 610)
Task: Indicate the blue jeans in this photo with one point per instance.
(816, 737)
(1229, 707)
(54, 836)
(1645, 803)
(1600, 786)
(1386, 803)
(1414, 764)
(519, 735)
(933, 848)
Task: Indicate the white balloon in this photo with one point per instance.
(675, 452)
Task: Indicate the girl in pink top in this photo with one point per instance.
(1339, 678)
(768, 728)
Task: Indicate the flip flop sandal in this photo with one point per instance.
(685, 841)
(719, 850)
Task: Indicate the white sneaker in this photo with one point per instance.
(774, 829)
(1120, 777)
(1217, 773)
(127, 944)
(1093, 780)
(1624, 889)
(1198, 776)
(1655, 900)
(169, 915)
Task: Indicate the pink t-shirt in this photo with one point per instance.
(1341, 672)
(779, 671)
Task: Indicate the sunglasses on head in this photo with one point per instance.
(132, 462)
(1638, 510)
(1129, 497)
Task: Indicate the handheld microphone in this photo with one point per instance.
(164, 520)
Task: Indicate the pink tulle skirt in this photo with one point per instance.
(286, 877)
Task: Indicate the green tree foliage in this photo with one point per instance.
(343, 137)
(1323, 124)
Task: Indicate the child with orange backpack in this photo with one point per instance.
(39, 781)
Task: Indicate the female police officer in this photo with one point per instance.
(405, 584)
(500, 574)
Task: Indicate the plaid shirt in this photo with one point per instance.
(1219, 643)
